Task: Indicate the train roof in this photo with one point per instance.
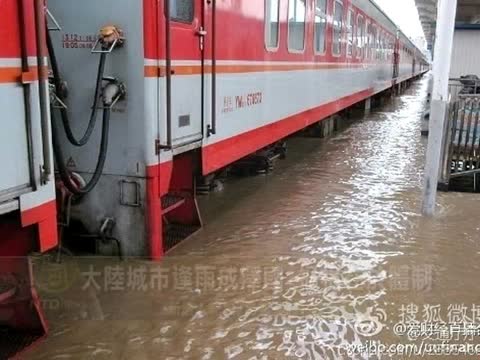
(404, 36)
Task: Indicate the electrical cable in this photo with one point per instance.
(58, 89)
(60, 159)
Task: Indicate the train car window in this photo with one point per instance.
(371, 43)
(374, 42)
(320, 26)
(367, 39)
(379, 45)
(392, 47)
(181, 10)
(337, 28)
(296, 25)
(272, 22)
(389, 47)
(360, 37)
(350, 32)
(383, 46)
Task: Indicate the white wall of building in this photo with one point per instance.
(466, 53)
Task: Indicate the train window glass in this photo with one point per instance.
(337, 28)
(392, 46)
(379, 52)
(360, 37)
(366, 44)
(272, 22)
(181, 10)
(383, 46)
(296, 25)
(374, 42)
(320, 25)
(350, 33)
(389, 47)
(379, 44)
(368, 40)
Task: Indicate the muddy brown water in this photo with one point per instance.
(328, 251)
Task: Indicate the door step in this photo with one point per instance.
(180, 213)
(173, 208)
(171, 202)
(176, 233)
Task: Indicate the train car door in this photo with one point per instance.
(18, 103)
(185, 37)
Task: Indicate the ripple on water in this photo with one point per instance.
(333, 224)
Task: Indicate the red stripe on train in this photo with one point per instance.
(45, 216)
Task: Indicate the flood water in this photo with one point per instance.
(328, 251)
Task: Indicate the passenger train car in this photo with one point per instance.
(28, 220)
(208, 82)
(27, 191)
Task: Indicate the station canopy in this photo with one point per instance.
(468, 12)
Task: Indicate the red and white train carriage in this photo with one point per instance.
(184, 95)
(28, 220)
(208, 85)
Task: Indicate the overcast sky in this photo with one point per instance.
(404, 13)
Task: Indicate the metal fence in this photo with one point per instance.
(462, 147)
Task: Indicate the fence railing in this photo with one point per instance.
(462, 145)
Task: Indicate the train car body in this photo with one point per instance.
(26, 185)
(208, 85)
(28, 220)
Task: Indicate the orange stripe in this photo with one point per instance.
(15, 74)
(153, 71)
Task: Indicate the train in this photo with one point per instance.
(206, 86)
(114, 111)
(28, 209)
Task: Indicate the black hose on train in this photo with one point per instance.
(59, 92)
(65, 174)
